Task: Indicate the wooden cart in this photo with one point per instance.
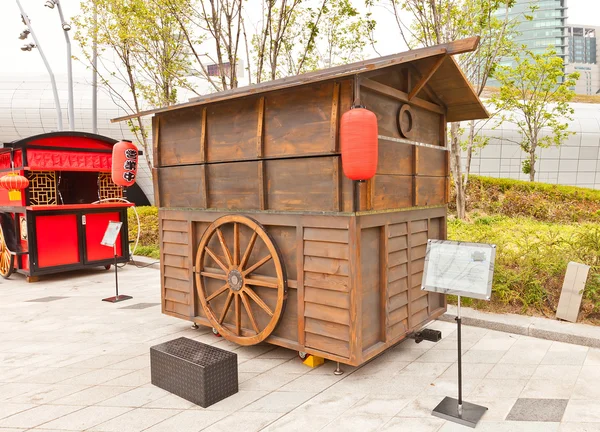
(263, 237)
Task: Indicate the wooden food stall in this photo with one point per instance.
(262, 236)
(54, 224)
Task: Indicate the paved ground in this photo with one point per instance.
(76, 363)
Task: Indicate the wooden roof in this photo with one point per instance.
(440, 74)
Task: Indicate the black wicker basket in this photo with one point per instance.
(194, 371)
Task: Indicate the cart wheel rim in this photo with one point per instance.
(246, 306)
(6, 258)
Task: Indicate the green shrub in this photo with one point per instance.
(149, 230)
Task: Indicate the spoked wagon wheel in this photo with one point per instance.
(6, 258)
(251, 285)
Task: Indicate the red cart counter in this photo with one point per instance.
(57, 222)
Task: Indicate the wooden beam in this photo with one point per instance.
(260, 127)
(424, 78)
(400, 95)
(333, 128)
(155, 141)
(203, 155)
(262, 187)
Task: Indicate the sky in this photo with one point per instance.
(46, 24)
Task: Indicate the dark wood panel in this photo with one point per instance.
(329, 329)
(397, 286)
(176, 273)
(326, 265)
(326, 281)
(398, 301)
(398, 315)
(398, 330)
(177, 296)
(175, 237)
(326, 344)
(326, 250)
(418, 240)
(398, 272)
(327, 313)
(397, 230)
(394, 158)
(298, 122)
(420, 317)
(420, 303)
(177, 285)
(397, 258)
(233, 185)
(231, 130)
(370, 293)
(432, 162)
(430, 190)
(174, 225)
(174, 249)
(327, 297)
(178, 308)
(418, 226)
(398, 243)
(418, 252)
(303, 184)
(392, 192)
(176, 261)
(179, 136)
(182, 186)
(326, 235)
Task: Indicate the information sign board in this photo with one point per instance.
(459, 268)
(111, 233)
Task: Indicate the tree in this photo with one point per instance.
(535, 95)
(141, 48)
(440, 21)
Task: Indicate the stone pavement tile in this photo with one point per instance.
(299, 422)
(251, 421)
(85, 418)
(135, 420)
(311, 383)
(268, 381)
(503, 427)
(10, 390)
(567, 347)
(471, 333)
(402, 354)
(170, 401)
(421, 407)
(37, 416)
(54, 375)
(329, 402)
(134, 363)
(567, 373)
(188, 421)
(47, 393)
(509, 371)
(483, 356)
(498, 408)
(99, 376)
(255, 351)
(535, 410)
(582, 411)
(383, 405)
(593, 357)
(579, 427)
(293, 366)
(136, 397)
(279, 402)
(90, 396)
(450, 344)
(381, 369)
(586, 388)
(99, 362)
(352, 422)
(590, 371)
(564, 358)
(245, 376)
(403, 386)
(261, 365)
(408, 424)
(449, 386)
(236, 401)
(473, 370)
(279, 353)
(440, 356)
(131, 379)
(495, 341)
(494, 388)
(520, 356)
(8, 409)
(548, 389)
(431, 370)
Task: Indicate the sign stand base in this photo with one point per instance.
(117, 299)
(448, 410)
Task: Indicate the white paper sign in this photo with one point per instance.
(459, 268)
(111, 233)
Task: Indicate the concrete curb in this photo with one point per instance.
(541, 328)
(143, 261)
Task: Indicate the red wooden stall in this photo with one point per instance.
(57, 222)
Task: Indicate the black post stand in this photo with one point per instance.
(454, 410)
(117, 298)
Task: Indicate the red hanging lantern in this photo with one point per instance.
(358, 140)
(14, 183)
(124, 163)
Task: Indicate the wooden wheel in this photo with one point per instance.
(6, 258)
(244, 296)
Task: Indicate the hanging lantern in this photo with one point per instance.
(14, 183)
(358, 140)
(124, 163)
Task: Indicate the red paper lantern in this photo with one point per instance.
(14, 183)
(358, 139)
(124, 163)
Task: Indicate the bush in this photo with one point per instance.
(148, 244)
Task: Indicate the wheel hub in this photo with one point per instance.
(235, 280)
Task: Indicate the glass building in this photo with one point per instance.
(582, 44)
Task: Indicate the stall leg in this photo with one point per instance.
(195, 326)
(337, 370)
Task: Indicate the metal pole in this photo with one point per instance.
(95, 72)
(71, 108)
(458, 323)
(52, 80)
(116, 275)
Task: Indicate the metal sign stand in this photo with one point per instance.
(110, 239)
(456, 410)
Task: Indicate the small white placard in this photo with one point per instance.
(459, 268)
(111, 233)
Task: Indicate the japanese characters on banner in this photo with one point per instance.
(124, 163)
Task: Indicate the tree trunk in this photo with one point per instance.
(455, 165)
(532, 164)
(469, 153)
